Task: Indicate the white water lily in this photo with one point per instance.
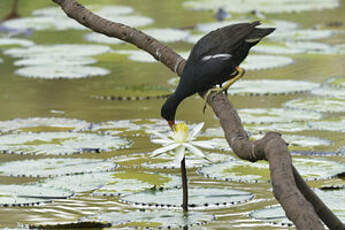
(180, 141)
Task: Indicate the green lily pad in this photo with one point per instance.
(342, 151)
(278, 24)
(167, 161)
(28, 195)
(167, 35)
(61, 71)
(301, 35)
(334, 199)
(57, 61)
(293, 126)
(142, 56)
(274, 115)
(242, 171)
(337, 82)
(199, 198)
(127, 182)
(153, 219)
(51, 123)
(267, 6)
(101, 38)
(259, 62)
(55, 167)
(327, 91)
(270, 87)
(336, 124)
(15, 41)
(322, 104)
(57, 50)
(59, 143)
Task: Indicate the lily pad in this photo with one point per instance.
(242, 171)
(334, 199)
(56, 123)
(167, 35)
(101, 38)
(142, 56)
(69, 225)
(55, 61)
(342, 151)
(44, 23)
(327, 91)
(274, 115)
(293, 126)
(314, 47)
(267, 6)
(60, 50)
(28, 195)
(299, 35)
(259, 62)
(278, 24)
(130, 20)
(199, 198)
(15, 41)
(111, 126)
(322, 104)
(270, 87)
(338, 82)
(153, 219)
(128, 182)
(61, 71)
(55, 167)
(59, 143)
(299, 141)
(168, 161)
(275, 49)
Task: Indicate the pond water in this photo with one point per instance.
(69, 154)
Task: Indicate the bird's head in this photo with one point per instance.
(168, 110)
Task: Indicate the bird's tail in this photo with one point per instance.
(258, 33)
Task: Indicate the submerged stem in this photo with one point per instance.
(184, 185)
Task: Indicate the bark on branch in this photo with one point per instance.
(300, 203)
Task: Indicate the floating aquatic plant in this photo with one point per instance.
(55, 167)
(142, 56)
(322, 104)
(57, 50)
(128, 182)
(59, 143)
(270, 87)
(334, 199)
(267, 6)
(101, 38)
(273, 115)
(333, 125)
(278, 24)
(329, 92)
(242, 171)
(50, 123)
(259, 62)
(301, 35)
(292, 126)
(15, 41)
(28, 195)
(200, 198)
(179, 140)
(130, 20)
(153, 219)
(167, 35)
(61, 71)
(55, 61)
(337, 82)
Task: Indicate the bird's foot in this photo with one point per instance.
(214, 90)
(238, 74)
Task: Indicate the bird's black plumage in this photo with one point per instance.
(213, 60)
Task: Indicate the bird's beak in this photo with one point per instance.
(172, 125)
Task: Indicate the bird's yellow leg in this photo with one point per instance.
(240, 72)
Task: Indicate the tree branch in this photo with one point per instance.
(271, 147)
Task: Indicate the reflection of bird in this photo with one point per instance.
(213, 60)
(222, 14)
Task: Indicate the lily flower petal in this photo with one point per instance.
(194, 150)
(164, 149)
(180, 151)
(196, 130)
(203, 144)
(159, 135)
(162, 141)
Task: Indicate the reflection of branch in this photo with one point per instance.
(271, 147)
(14, 11)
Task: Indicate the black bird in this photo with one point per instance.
(214, 59)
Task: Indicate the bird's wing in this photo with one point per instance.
(223, 40)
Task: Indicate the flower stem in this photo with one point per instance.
(184, 185)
